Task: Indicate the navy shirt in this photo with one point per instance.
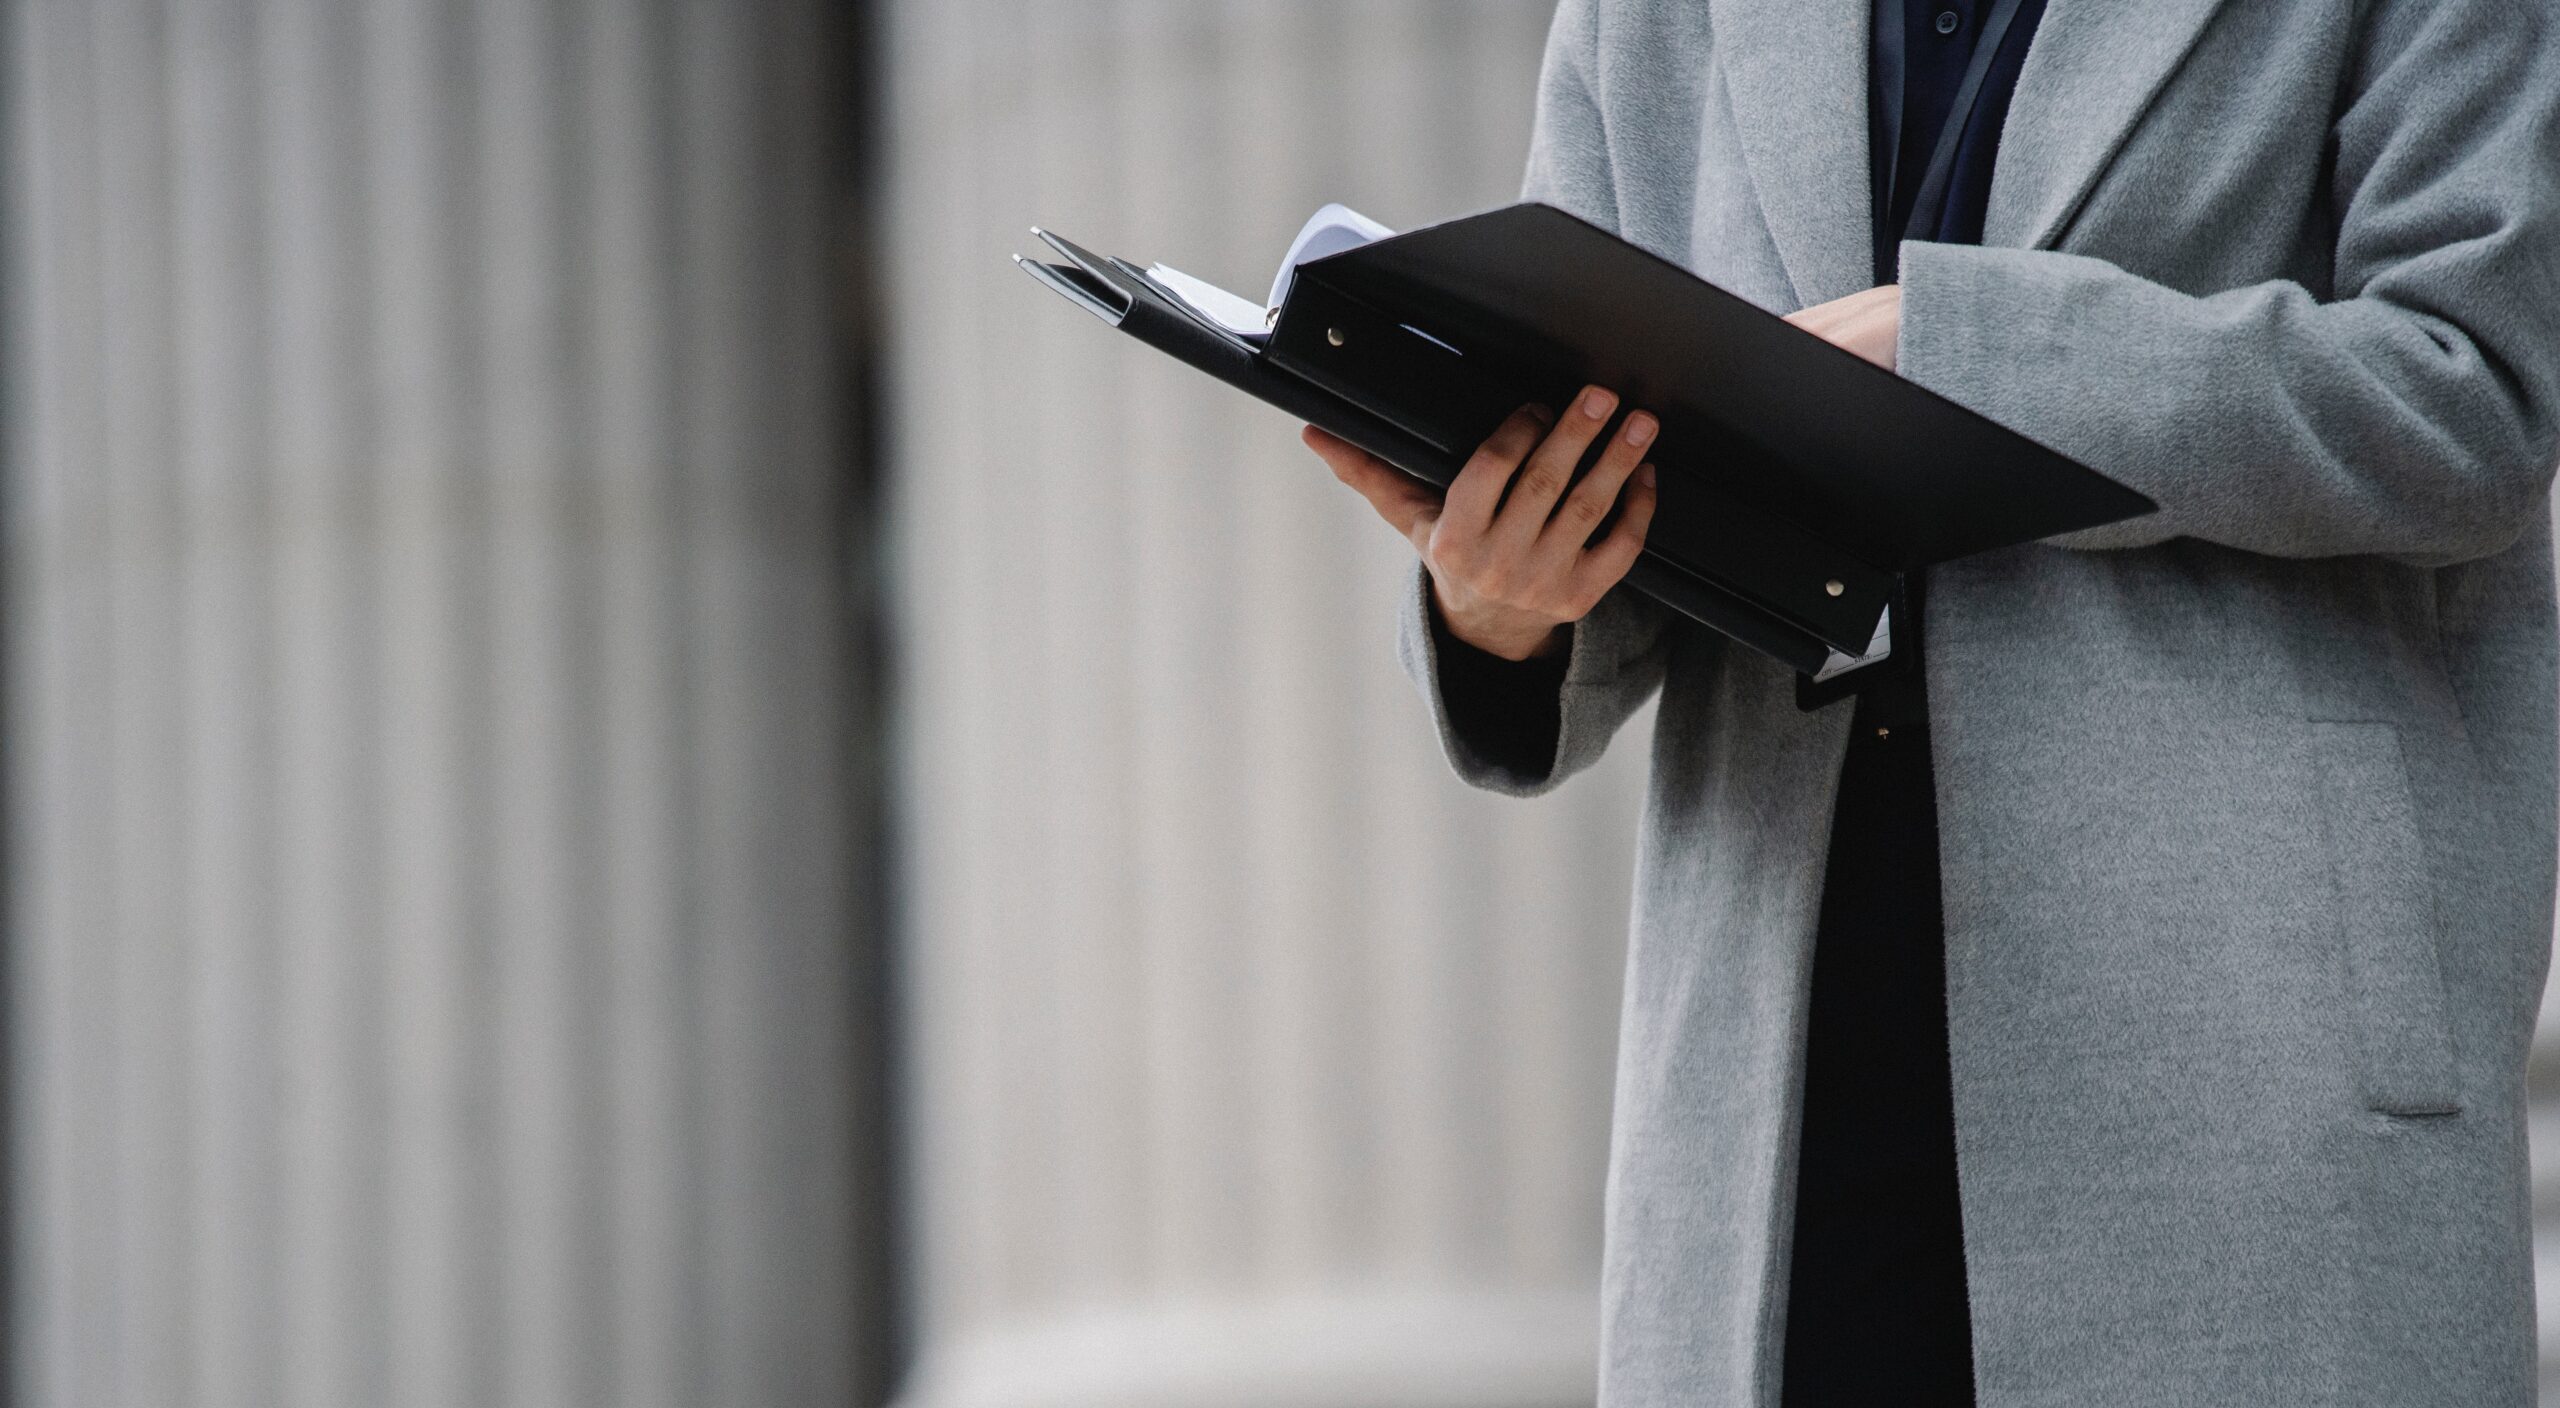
(1877, 1311)
(1922, 49)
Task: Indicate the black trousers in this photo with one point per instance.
(1876, 1310)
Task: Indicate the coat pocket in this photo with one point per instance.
(2386, 920)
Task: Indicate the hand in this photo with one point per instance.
(1869, 323)
(1510, 572)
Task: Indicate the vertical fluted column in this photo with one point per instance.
(1254, 1059)
(2542, 1122)
(2542, 1088)
(432, 854)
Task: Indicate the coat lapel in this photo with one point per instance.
(1797, 73)
(2092, 71)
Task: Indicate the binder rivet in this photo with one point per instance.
(1833, 587)
(1334, 336)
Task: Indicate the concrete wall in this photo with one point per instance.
(430, 853)
(1255, 1061)
(435, 788)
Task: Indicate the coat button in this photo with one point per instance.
(1948, 20)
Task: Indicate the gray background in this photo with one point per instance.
(636, 774)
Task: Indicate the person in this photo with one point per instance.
(2124, 997)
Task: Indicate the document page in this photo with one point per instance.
(1234, 312)
(1878, 649)
(1331, 230)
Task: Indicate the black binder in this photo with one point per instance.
(1796, 483)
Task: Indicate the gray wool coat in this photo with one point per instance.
(2246, 807)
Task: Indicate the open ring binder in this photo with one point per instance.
(1796, 481)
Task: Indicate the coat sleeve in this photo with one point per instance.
(1614, 664)
(1569, 163)
(1615, 661)
(2410, 415)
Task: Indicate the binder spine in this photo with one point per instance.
(1708, 604)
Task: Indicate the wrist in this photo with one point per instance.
(1517, 639)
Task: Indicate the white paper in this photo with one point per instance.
(1234, 312)
(1329, 231)
(1878, 648)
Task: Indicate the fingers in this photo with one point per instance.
(1603, 566)
(1868, 323)
(1569, 531)
(1823, 316)
(1514, 529)
(1477, 491)
(1875, 332)
(1408, 505)
(1550, 468)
